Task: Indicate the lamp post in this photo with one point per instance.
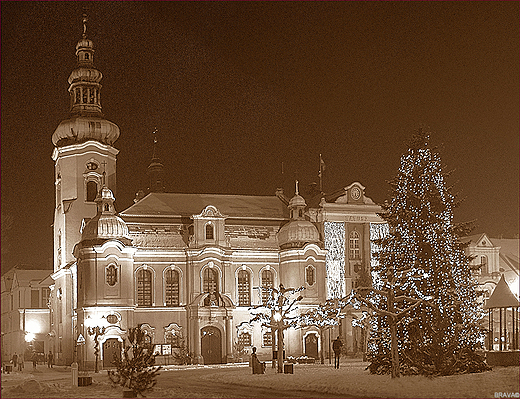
(96, 331)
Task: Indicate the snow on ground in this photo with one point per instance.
(353, 380)
(350, 380)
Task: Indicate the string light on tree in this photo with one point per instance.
(440, 332)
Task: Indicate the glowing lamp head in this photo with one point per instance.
(29, 337)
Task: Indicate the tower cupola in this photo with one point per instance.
(86, 117)
(298, 231)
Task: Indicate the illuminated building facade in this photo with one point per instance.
(186, 267)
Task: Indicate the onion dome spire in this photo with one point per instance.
(84, 80)
(155, 169)
(86, 117)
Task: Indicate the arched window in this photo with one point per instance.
(209, 232)
(310, 276)
(91, 191)
(172, 287)
(354, 245)
(144, 287)
(244, 284)
(210, 280)
(111, 275)
(267, 282)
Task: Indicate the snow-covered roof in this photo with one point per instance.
(171, 204)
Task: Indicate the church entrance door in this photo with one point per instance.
(211, 345)
(111, 348)
(311, 346)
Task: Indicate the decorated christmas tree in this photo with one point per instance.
(422, 264)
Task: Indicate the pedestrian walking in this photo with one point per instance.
(336, 347)
(50, 359)
(34, 359)
(15, 360)
(20, 363)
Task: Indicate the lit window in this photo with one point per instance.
(172, 287)
(144, 287)
(244, 282)
(111, 275)
(354, 245)
(310, 277)
(244, 338)
(209, 232)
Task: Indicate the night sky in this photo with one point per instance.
(235, 89)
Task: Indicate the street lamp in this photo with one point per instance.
(96, 331)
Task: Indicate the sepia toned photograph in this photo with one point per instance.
(260, 199)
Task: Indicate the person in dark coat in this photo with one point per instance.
(34, 359)
(15, 360)
(50, 359)
(258, 367)
(336, 347)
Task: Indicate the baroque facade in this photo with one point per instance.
(186, 267)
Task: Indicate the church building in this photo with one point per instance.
(187, 267)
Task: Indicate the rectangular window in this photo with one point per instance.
(244, 339)
(267, 339)
(35, 299)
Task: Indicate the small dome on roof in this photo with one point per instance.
(106, 224)
(297, 233)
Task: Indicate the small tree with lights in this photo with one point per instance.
(135, 369)
(422, 263)
(277, 313)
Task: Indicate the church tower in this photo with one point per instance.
(84, 161)
(84, 154)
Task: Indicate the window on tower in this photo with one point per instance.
(92, 190)
(209, 232)
(354, 245)
(111, 275)
(310, 276)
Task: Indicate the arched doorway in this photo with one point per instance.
(111, 350)
(311, 345)
(211, 345)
